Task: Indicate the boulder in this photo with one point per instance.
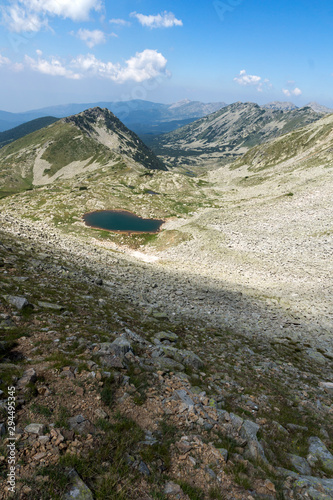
(118, 347)
(28, 377)
(35, 429)
(167, 364)
(319, 453)
(188, 358)
(162, 336)
(181, 395)
(300, 464)
(81, 425)
(18, 302)
(254, 449)
(77, 488)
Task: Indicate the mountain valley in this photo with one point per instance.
(197, 361)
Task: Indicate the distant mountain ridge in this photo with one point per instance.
(289, 106)
(285, 106)
(26, 128)
(139, 115)
(228, 133)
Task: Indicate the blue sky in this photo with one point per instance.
(62, 51)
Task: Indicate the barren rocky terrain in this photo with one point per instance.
(191, 364)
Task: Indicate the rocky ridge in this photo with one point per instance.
(225, 135)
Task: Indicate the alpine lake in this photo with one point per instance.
(121, 221)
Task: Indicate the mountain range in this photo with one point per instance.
(143, 117)
(223, 136)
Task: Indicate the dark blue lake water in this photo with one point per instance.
(121, 221)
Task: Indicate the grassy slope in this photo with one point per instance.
(311, 144)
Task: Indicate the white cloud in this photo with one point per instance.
(52, 67)
(91, 38)
(252, 80)
(296, 92)
(16, 67)
(32, 15)
(163, 20)
(19, 19)
(143, 66)
(4, 60)
(120, 22)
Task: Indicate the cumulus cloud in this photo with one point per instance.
(52, 67)
(163, 20)
(143, 66)
(91, 38)
(32, 15)
(252, 80)
(296, 92)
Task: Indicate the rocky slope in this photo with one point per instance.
(227, 134)
(122, 394)
(89, 141)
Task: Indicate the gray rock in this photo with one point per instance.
(300, 464)
(249, 429)
(112, 361)
(50, 305)
(210, 472)
(237, 423)
(160, 316)
(118, 347)
(168, 364)
(181, 395)
(77, 489)
(35, 429)
(319, 453)
(28, 377)
(44, 439)
(188, 358)
(327, 386)
(101, 414)
(2, 429)
(171, 488)
(254, 449)
(310, 483)
(161, 336)
(143, 469)
(18, 302)
(135, 337)
(316, 356)
(317, 495)
(295, 427)
(80, 424)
